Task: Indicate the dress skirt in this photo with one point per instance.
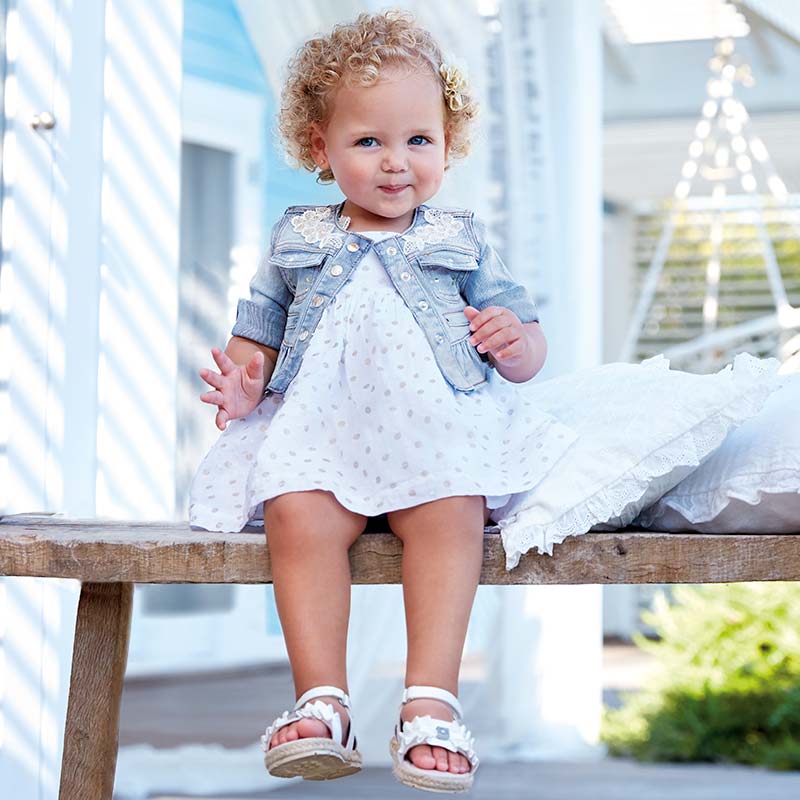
(371, 418)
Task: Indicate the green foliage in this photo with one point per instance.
(726, 684)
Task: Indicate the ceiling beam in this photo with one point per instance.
(614, 58)
(756, 15)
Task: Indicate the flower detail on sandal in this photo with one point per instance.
(441, 226)
(314, 757)
(315, 227)
(453, 736)
(450, 735)
(317, 710)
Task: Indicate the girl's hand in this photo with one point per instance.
(238, 389)
(499, 331)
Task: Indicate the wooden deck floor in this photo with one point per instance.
(611, 779)
(230, 708)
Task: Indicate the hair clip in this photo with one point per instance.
(455, 82)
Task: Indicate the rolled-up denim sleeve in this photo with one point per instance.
(262, 317)
(493, 285)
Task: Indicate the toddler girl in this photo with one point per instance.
(375, 370)
(376, 326)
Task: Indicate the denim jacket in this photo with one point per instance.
(440, 264)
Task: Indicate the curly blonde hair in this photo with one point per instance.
(354, 54)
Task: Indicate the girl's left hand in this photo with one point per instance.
(499, 331)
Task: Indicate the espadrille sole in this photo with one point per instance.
(431, 780)
(313, 758)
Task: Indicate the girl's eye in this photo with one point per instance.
(366, 139)
(419, 136)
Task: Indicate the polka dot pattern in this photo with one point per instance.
(370, 417)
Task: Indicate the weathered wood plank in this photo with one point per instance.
(105, 551)
(91, 734)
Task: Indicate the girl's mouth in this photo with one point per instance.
(393, 189)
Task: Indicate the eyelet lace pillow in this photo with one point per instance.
(642, 429)
(751, 484)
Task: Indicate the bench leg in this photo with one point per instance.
(91, 736)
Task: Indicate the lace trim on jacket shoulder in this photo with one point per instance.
(316, 226)
(439, 227)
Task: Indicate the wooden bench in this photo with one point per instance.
(109, 557)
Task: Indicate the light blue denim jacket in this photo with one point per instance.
(440, 264)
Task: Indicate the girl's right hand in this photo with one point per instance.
(238, 390)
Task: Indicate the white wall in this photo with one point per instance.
(90, 222)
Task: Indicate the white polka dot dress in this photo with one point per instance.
(371, 418)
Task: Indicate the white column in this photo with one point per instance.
(619, 280)
(139, 268)
(575, 71)
(552, 635)
(112, 82)
(50, 224)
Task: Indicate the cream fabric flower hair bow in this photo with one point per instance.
(454, 74)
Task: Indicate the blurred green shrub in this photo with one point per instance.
(726, 683)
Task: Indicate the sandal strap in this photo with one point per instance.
(435, 693)
(323, 691)
(320, 710)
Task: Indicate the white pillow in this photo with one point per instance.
(642, 429)
(751, 484)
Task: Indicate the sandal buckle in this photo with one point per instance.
(442, 732)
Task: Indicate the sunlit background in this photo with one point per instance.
(638, 167)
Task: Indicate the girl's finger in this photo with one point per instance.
(222, 419)
(255, 366)
(217, 398)
(488, 314)
(502, 338)
(511, 351)
(224, 361)
(212, 378)
(488, 328)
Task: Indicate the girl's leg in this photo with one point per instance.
(442, 557)
(308, 537)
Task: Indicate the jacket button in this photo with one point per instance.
(405, 276)
(303, 336)
(439, 338)
(392, 251)
(352, 247)
(318, 301)
(422, 304)
(336, 269)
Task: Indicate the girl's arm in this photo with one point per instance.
(240, 351)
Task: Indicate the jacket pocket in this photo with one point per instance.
(290, 331)
(303, 268)
(277, 382)
(292, 257)
(443, 269)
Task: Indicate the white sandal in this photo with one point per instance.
(314, 758)
(452, 736)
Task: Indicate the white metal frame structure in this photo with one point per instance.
(725, 150)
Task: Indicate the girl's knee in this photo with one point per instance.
(447, 516)
(310, 519)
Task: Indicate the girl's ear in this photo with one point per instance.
(317, 145)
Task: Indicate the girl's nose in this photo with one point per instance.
(394, 162)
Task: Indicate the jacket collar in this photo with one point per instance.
(325, 227)
(342, 222)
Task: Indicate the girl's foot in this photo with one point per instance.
(424, 756)
(306, 728)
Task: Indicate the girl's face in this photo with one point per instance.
(390, 134)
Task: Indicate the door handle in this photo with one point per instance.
(43, 120)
